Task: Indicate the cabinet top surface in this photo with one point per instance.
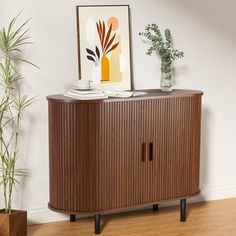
(151, 94)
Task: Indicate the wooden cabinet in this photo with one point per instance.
(112, 154)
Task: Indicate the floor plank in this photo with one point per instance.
(215, 218)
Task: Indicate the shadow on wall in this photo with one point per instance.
(27, 129)
(204, 164)
(179, 70)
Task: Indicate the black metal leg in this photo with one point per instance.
(183, 210)
(72, 218)
(97, 228)
(155, 207)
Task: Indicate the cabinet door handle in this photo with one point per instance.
(150, 151)
(144, 152)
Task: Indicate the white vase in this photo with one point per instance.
(167, 81)
(96, 75)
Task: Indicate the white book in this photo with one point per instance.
(85, 98)
(85, 95)
(77, 91)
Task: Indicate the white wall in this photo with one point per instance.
(204, 29)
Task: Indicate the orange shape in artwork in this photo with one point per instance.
(114, 22)
(105, 69)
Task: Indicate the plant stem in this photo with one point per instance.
(3, 145)
(12, 173)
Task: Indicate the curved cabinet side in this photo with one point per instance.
(72, 151)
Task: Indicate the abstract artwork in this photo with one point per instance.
(104, 46)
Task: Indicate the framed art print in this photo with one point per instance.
(104, 46)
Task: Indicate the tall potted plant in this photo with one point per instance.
(12, 106)
(163, 46)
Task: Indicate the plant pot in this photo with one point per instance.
(14, 224)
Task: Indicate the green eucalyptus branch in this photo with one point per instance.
(162, 45)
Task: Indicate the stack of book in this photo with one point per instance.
(85, 94)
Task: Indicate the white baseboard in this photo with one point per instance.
(44, 215)
(218, 192)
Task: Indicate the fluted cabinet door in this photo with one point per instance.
(175, 133)
(120, 152)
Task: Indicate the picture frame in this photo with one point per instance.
(103, 35)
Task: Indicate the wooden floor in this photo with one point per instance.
(215, 218)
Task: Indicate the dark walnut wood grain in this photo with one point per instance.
(110, 154)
